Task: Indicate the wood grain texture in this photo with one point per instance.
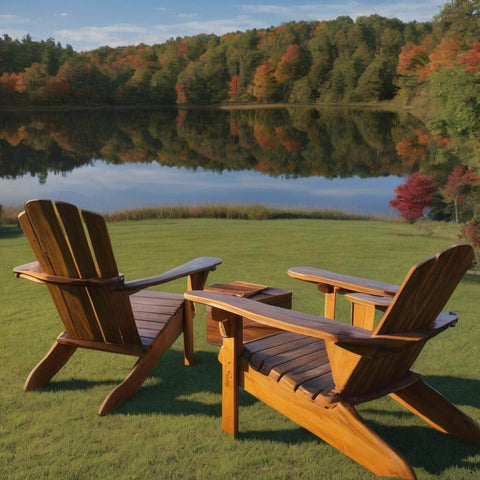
(55, 291)
(144, 366)
(46, 369)
(430, 405)
(100, 311)
(201, 264)
(363, 316)
(319, 369)
(347, 282)
(55, 255)
(341, 426)
(280, 318)
(260, 293)
(232, 347)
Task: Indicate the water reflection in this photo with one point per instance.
(327, 158)
(108, 187)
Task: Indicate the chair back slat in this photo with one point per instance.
(82, 255)
(119, 303)
(101, 245)
(49, 233)
(420, 299)
(55, 291)
(61, 244)
(426, 290)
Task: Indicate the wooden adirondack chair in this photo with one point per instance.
(318, 369)
(98, 308)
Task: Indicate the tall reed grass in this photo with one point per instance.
(239, 212)
(8, 214)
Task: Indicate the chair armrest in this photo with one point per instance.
(282, 318)
(346, 336)
(369, 300)
(200, 264)
(345, 282)
(34, 272)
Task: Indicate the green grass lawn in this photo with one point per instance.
(171, 428)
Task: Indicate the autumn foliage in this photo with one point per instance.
(459, 185)
(460, 178)
(412, 58)
(370, 59)
(414, 196)
(471, 59)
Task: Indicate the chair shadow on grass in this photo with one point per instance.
(172, 384)
(422, 446)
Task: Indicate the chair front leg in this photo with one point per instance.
(231, 329)
(196, 281)
(188, 314)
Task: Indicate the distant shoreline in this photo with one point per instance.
(386, 106)
(220, 211)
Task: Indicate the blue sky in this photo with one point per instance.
(89, 24)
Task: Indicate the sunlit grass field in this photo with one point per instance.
(171, 428)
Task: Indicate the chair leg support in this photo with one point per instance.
(357, 440)
(435, 409)
(142, 369)
(340, 426)
(188, 348)
(138, 374)
(48, 367)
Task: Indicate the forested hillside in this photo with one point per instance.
(371, 59)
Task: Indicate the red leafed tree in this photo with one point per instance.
(458, 184)
(181, 96)
(264, 83)
(443, 56)
(233, 85)
(471, 233)
(411, 58)
(287, 65)
(414, 196)
(471, 59)
(414, 149)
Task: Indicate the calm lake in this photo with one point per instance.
(335, 158)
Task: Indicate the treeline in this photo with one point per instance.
(337, 60)
(371, 59)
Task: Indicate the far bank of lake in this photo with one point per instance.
(342, 158)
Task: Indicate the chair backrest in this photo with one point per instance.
(72, 243)
(424, 292)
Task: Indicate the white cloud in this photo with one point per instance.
(129, 34)
(13, 20)
(188, 15)
(406, 11)
(64, 14)
(256, 16)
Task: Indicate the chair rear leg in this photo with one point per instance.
(344, 429)
(142, 368)
(435, 409)
(46, 369)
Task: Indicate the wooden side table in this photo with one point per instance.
(260, 293)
